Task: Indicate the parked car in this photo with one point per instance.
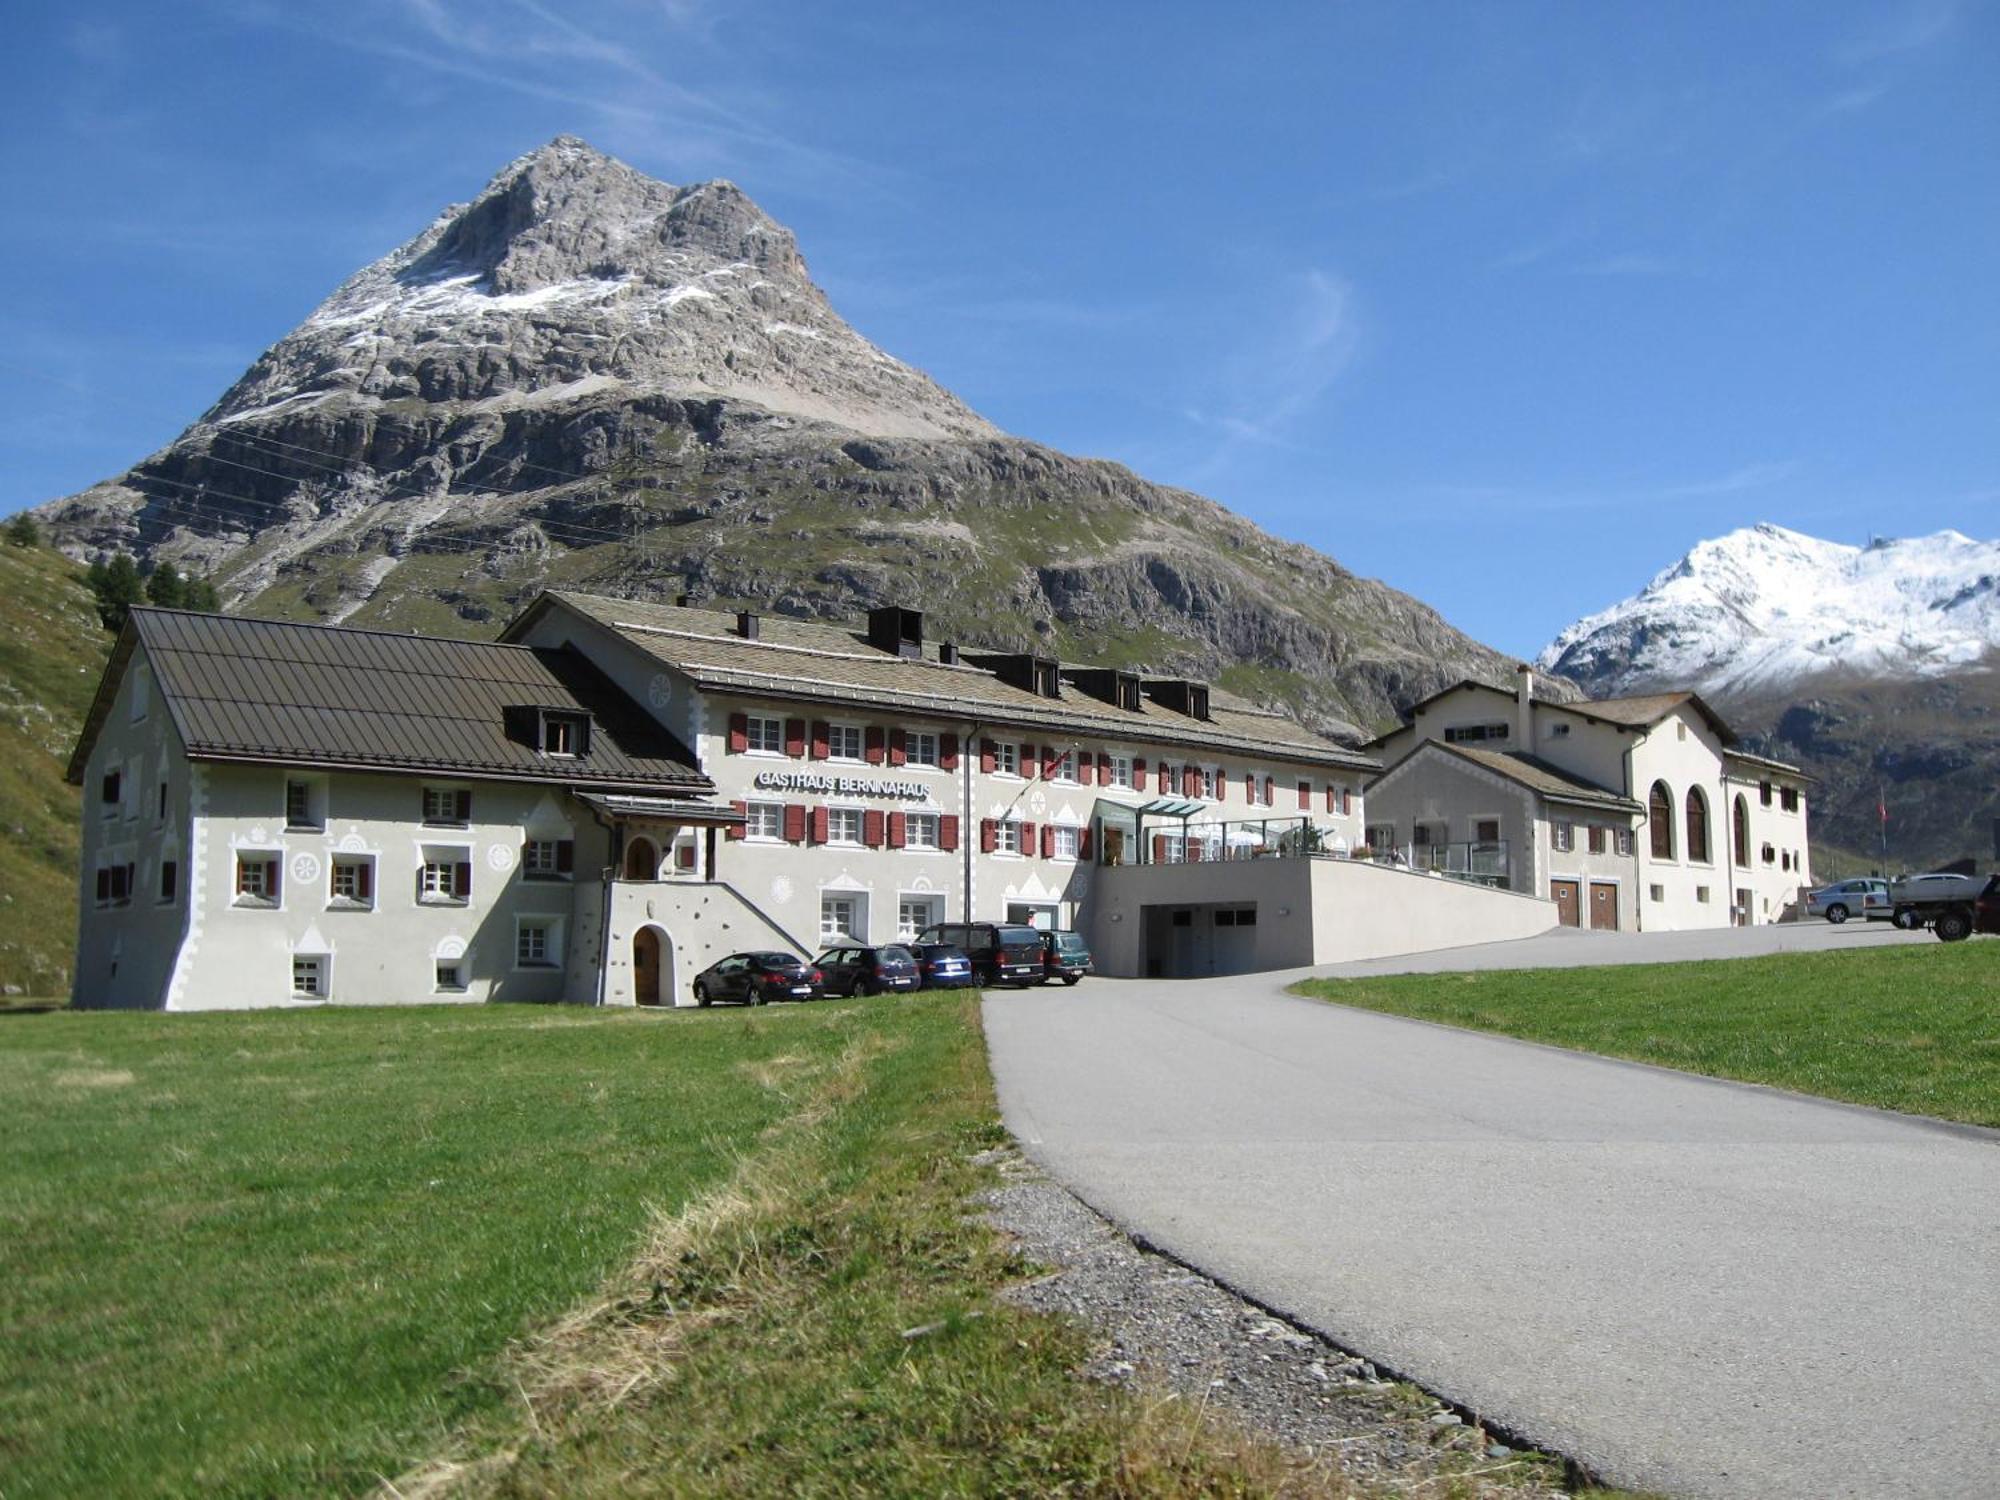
(1001, 952)
(754, 978)
(1065, 956)
(868, 971)
(941, 966)
(1867, 897)
(1952, 906)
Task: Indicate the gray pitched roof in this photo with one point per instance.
(270, 690)
(826, 663)
(1534, 773)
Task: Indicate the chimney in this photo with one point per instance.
(1524, 708)
(948, 653)
(747, 624)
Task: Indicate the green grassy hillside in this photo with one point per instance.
(51, 652)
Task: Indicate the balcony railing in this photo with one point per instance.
(1483, 862)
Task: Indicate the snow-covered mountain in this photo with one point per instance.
(1764, 607)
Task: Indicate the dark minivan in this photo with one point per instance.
(1001, 952)
(868, 971)
(1065, 956)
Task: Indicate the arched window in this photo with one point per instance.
(1660, 814)
(1697, 825)
(1742, 820)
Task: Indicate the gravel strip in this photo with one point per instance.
(1170, 1326)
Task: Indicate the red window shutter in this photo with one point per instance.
(461, 880)
(989, 835)
(795, 823)
(1085, 843)
(871, 828)
(1085, 764)
(822, 734)
(1332, 799)
(874, 745)
(1159, 848)
(273, 868)
(1048, 841)
(899, 748)
(1027, 837)
(739, 733)
(1346, 801)
(795, 737)
(1139, 772)
(462, 801)
(899, 825)
(736, 830)
(1305, 796)
(364, 881)
(1250, 787)
(1051, 758)
(1103, 769)
(684, 856)
(988, 757)
(1027, 761)
(1270, 791)
(948, 752)
(1190, 781)
(820, 826)
(948, 832)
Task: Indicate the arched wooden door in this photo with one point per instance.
(646, 966)
(642, 860)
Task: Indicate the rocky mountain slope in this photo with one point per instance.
(589, 378)
(52, 650)
(1876, 668)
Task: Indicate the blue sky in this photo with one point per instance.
(1507, 304)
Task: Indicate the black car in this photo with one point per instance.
(1001, 952)
(869, 971)
(1065, 956)
(754, 978)
(941, 966)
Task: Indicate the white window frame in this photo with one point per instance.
(427, 894)
(758, 727)
(533, 866)
(836, 817)
(927, 821)
(450, 818)
(263, 900)
(1007, 835)
(318, 968)
(456, 966)
(1068, 840)
(1066, 768)
(1209, 780)
(1006, 758)
(921, 748)
(755, 813)
(1121, 771)
(839, 732)
(830, 932)
(347, 862)
(933, 913)
(550, 928)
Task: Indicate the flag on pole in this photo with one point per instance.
(1881, 806)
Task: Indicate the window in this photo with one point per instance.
(1559, 731)
(300, 811)
(1008, 832)
(109, 791)
(1236, 916)
(448, 805)
(1739, 840)
(1697, 825)
(450, 976)
(162, 814)
(764, 820)
(843, 825)
(765, 735)
(1788, 799)
(1656, 893)
(915, 913)
(920, 748)
(1486, 831)
(839, 918)
(844, 742)
(536, 945)
(1472, 734)
(1681, 729)
(1007, 759)
(1063, 841)
(1121, 771)
(1562, 837)
(114, 884)
(1596, 839)
(1770, 854)
(560, 735)
(446, 877)
(256, 879)
(920, 830)
(1621, 840)
(548, 859)
(1065, 767)
(1208, 782)
(309, 975)
(1764, 792)
(1701, 894)
(1660, 816)
(170, 875)
(353, 881)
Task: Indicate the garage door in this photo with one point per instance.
(1603, 906)
(1568, 898)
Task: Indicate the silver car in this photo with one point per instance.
(1866, 897)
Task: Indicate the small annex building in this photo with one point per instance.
(618, 793)
(1628, 813)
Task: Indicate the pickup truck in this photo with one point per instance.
(1952, 906)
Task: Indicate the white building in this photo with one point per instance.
(1626, 812)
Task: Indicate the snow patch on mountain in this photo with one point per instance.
(1765, 606)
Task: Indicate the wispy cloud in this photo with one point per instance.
(1631, 263)
(1901, 30)
(1755, 476)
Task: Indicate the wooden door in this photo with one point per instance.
(1603, 906)
(646, 966)
(1569, 902)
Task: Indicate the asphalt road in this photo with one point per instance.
(1691, 1286)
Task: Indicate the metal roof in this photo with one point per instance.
(319, 695)
(817, 662)
(1531, 771)
(674, 809)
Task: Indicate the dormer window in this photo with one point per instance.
(565, 734)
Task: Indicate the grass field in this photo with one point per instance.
(520, 1250)
(1912, 1028)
